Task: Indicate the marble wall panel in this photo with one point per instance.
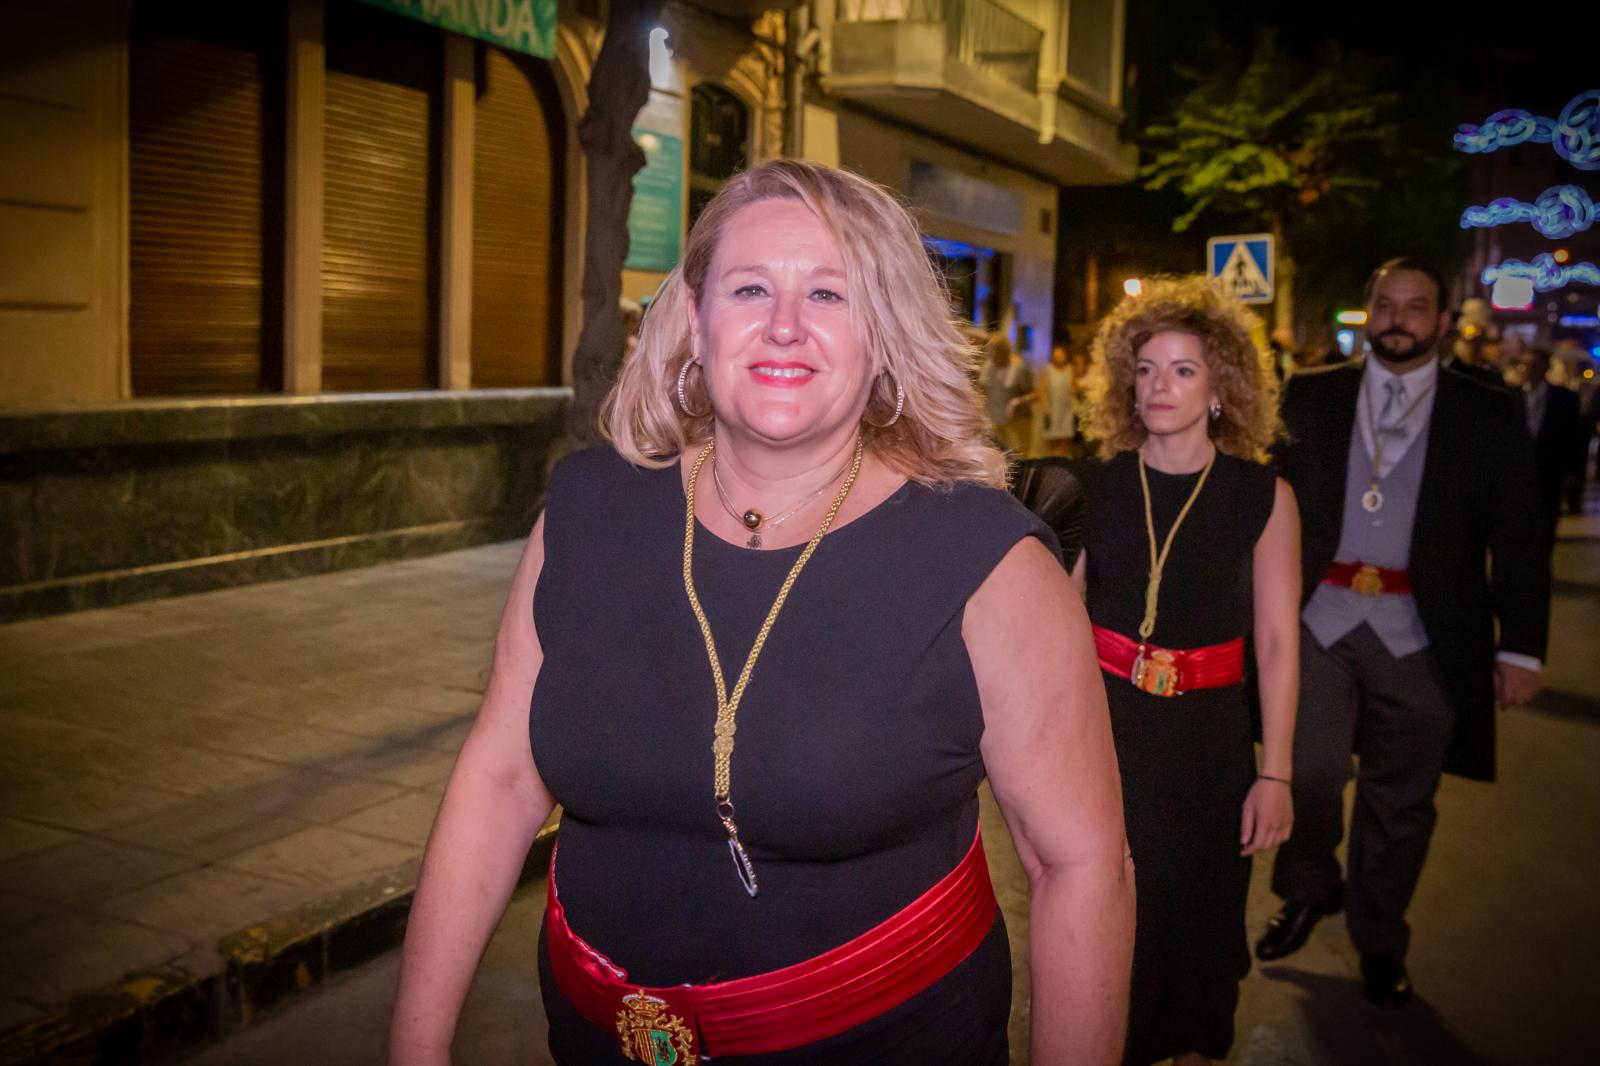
(107, 509)
(286, 483)
(103, 523)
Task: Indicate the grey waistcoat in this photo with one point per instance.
(1382, 539)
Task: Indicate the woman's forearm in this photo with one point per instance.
(1278, 675)
(475, 853)
(1080, 942)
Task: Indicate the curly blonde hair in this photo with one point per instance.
(1241, 373)
(898, 307)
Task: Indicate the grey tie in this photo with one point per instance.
(1393, 407)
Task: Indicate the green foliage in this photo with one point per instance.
(1271, 137)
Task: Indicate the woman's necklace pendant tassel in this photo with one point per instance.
(742, 865)
(728, 706)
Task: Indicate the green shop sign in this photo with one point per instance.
(655, 216)
(519, 25)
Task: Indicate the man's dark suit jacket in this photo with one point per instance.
(1559, 451)
(1477, 549)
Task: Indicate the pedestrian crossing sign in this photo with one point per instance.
(1244, 265)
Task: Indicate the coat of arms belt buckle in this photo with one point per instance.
(652, 1034)
(1155, 671)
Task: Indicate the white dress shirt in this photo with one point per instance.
(1401, 421)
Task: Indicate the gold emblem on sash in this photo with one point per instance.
(652, 1036)
(1367, 581)
(1156, 672)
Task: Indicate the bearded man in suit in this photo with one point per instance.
(1409, 475)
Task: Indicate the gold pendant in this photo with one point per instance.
(1372, 500)
(650, 1035)
(752, 519)
(1156, 673)
(1367, 581)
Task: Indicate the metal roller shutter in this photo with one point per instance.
(380, 235)
(196, 191)
(515, 240)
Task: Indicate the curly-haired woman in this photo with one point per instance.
(1191, 544)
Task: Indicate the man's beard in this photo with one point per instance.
(1419, 347)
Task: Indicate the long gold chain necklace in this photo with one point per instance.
(1162, 661)
(728, 705)
(1372, 499)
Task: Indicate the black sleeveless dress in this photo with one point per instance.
(1187, 762)
(856, 769)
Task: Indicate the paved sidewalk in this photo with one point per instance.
(176, 773)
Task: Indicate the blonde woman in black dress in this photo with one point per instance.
(1192, 543)
(762, 649)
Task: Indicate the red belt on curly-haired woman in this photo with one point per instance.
(1170, 671)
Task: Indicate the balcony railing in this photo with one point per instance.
(979, 33)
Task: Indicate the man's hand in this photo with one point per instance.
(1515, 685)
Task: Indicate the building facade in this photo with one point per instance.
(294, 285)
(978, 112)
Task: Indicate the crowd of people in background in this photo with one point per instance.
(1038, 410)
(1035, 411)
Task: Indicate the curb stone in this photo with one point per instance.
(150, 1015)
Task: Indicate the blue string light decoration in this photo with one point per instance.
(1574, 134)
(1546, 274)
(1559, 212)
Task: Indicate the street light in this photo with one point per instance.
(1512, 294)
(1350, 318)
(1133, 286)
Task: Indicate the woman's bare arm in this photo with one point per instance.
(1268, 815)
(493, 806)
(1048, 750)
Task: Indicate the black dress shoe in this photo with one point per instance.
(1384, 980)
(1291, 927)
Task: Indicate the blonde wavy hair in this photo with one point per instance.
(1241, 374)
(898, 308)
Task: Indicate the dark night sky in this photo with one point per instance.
(1539, 60)
(1451, 64)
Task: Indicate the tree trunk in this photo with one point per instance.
(1283, 323)
(619, 87)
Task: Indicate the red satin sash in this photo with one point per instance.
(1216, 666)
(805, 1002)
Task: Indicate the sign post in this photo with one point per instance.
(1245, 264)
